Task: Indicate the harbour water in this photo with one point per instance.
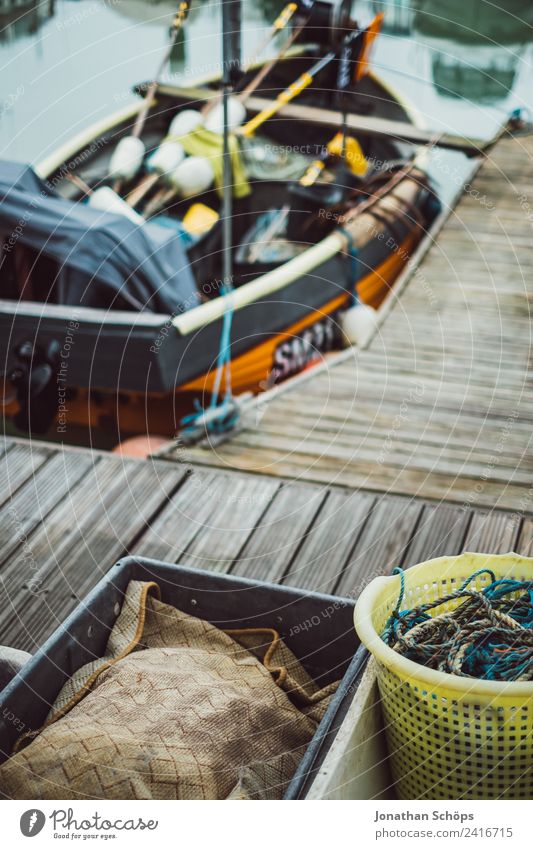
(67, 63)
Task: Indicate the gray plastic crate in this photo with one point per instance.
(317, 628)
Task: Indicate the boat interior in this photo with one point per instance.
(272, 163)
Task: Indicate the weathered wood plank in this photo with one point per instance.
(26, 575)
(441, 531)
(415, 451)
(124, 511)
(17, 465)
(382, 545)
(327, 540)
(39, 494)
(361, 124)
(188, 514)
(373, 476)
(491, 532)
(283, 529)
(447, 433)
(320, 560)
(345, 453)
(58, 533)
(231, 524)
(525, 540)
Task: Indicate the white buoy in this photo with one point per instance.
(127, 158)
(185, 122)
(193, 176)
(358, 324)
(236, 116)
(107, 200)
(166, 158)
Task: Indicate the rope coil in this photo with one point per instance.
(488, 636)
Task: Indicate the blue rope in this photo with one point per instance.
(488, 636)
(393, 623)
(399, 571)
(476, 574)
(224, 351)
(354, 266)
(228, 414)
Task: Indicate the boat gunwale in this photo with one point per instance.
(91, 315)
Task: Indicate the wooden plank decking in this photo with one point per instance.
(440, 404)
(413, 448)
(72, 514)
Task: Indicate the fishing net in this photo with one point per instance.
(176, 709)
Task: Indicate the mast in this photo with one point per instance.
(231, 60)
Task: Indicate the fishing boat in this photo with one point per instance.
(122, 320)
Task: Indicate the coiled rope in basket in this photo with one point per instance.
(451, 733)
(488, 636)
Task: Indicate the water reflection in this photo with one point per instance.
(23, 18)
(203, 18)
(68, 63)
(476, 47)
(398, 15)
(85, 59)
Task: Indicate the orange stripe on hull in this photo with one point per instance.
(250, 371)
(156, 413)
(373, 288)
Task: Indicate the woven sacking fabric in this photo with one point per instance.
(177, 709)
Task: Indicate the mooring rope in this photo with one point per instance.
(489, 635)
(223, 413)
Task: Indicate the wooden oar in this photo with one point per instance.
(158, 202)
(292, 91)
(177, 24)
(303, 81)
(356, 48)
(353, 51)
(279, 24)
(80, 184)
(265, 69)
(141, 190)
(366, 37)
(179, 19)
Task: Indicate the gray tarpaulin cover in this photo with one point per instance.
(98, 254)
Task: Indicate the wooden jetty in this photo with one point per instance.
(415, 447)
(440, 404)
(67, 515)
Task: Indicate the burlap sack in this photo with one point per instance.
(176, 709)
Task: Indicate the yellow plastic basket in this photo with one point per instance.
(449, 737)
